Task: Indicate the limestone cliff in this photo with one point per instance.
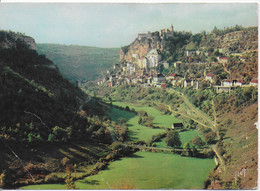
(12, 40)
(141, 47)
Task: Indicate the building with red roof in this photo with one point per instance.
(254, 82)
(171, 76)
(209, 77)
(226, 82)
(223, 60)
(238, 82)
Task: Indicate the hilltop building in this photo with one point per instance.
(167, 32)
(164, 33)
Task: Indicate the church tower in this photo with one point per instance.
(172, 28)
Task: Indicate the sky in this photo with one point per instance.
(117, 24)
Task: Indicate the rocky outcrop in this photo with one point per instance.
(13, 40)
(141, 47)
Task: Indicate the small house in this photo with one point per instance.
(177, 64)
(254, 82)
(190, 53)
(227, 82)
(171, 76)
(163, 85)
(166, 65)
(187, 83)
(238, 82)
(209, 77)
(158, 79)
(177, 126)
(195, 84)
(223, 60)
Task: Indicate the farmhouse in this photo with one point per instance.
(177, 126)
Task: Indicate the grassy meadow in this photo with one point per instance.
(136, 131)
(159, 118)
(144, 171)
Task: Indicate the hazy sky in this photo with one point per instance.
(115, 25)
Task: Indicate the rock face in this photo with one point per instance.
(12, 40)
(141, 47)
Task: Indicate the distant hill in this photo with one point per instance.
(80, 62)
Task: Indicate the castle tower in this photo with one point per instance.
(171, 27)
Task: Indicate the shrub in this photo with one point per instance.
(53, 178)
(197, 141)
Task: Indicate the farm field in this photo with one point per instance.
(136, 131)
(144, 171)
(159, 118)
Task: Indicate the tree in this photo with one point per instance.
(197, 141)
(173, 139)
(70, 183)
(187, 151)
(127, 108)
(209, 137)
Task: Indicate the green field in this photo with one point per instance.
(146, 170)
(139, 132)
(136, 131)
(187, 136)
(159, 118)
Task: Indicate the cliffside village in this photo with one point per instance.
(144, 71)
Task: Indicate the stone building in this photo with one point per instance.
(153, 58)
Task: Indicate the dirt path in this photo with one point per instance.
(195, 110)
(212, 123)
(220, 158)
(204, 125)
